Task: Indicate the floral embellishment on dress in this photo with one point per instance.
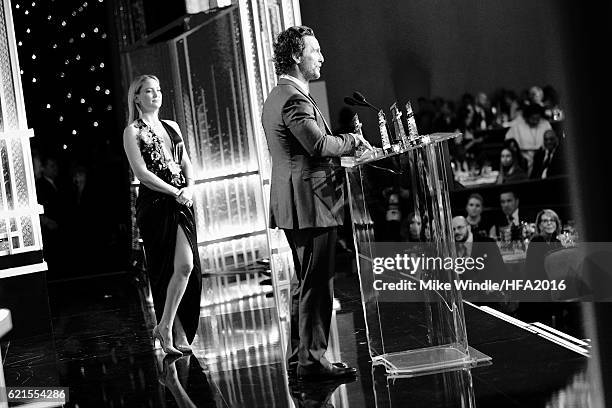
(155, 157)
(145, 135)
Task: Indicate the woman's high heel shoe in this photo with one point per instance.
(168, 349)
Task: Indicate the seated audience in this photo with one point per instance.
(478, 224)
(528, 130)
(509, 170)
(548, 160)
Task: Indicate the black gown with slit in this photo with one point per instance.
(158, 216)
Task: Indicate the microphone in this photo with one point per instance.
(362, 100)
(350, 101)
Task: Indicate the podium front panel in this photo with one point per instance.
(409, 331)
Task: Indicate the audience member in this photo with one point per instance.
(536, 96)
(470, 245)
(548, 160)
(508, 106)
(411, 229)
(548, 226)
(483, 114)
(479, 225)
(445, 119)
(528, 130)
(509, 170)
(466, 116)
(512, 144)
(507, 224)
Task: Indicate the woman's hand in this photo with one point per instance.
(187, 192)
(184, 196)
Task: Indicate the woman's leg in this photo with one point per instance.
(183, 264)
(178, 332)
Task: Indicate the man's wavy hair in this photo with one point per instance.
(289, 43)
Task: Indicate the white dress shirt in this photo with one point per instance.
(301, 84)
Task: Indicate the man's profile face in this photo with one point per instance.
(460, 229)
(508, 203)
(311, 59)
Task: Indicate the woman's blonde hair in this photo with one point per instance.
(551, 214)
(134, 111)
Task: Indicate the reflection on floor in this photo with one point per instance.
(101, 349)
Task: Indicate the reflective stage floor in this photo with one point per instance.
(100, 348)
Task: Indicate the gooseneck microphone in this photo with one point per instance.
(351, 102)
(362, 100)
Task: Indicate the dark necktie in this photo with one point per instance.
(547, 159)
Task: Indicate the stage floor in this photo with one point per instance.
(100, 348)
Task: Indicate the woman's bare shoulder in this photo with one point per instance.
(131, 129)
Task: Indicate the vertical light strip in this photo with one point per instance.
(14, 194)
(5, 206)
(22, 122)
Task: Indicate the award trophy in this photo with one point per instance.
(413, 134)
(356, 124)
(400, 133)
(384, 134)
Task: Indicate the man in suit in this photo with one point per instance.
(507, 224)
(474, 246)
(306, 196)
(548, 160)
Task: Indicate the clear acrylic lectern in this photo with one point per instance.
(408, 337)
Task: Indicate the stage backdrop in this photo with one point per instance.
(399, 49)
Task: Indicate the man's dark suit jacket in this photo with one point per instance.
(307, 180)
(555, 167)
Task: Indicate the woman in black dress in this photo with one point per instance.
(164, 215)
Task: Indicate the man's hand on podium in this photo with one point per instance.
(360, 140)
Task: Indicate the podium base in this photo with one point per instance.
(430, 360)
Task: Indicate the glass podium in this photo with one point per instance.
(424, 332)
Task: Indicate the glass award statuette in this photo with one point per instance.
(363, 152)
(400, 133)
(413, 134)
(356, 124)
(384, 135)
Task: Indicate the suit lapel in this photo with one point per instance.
(283, 81)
